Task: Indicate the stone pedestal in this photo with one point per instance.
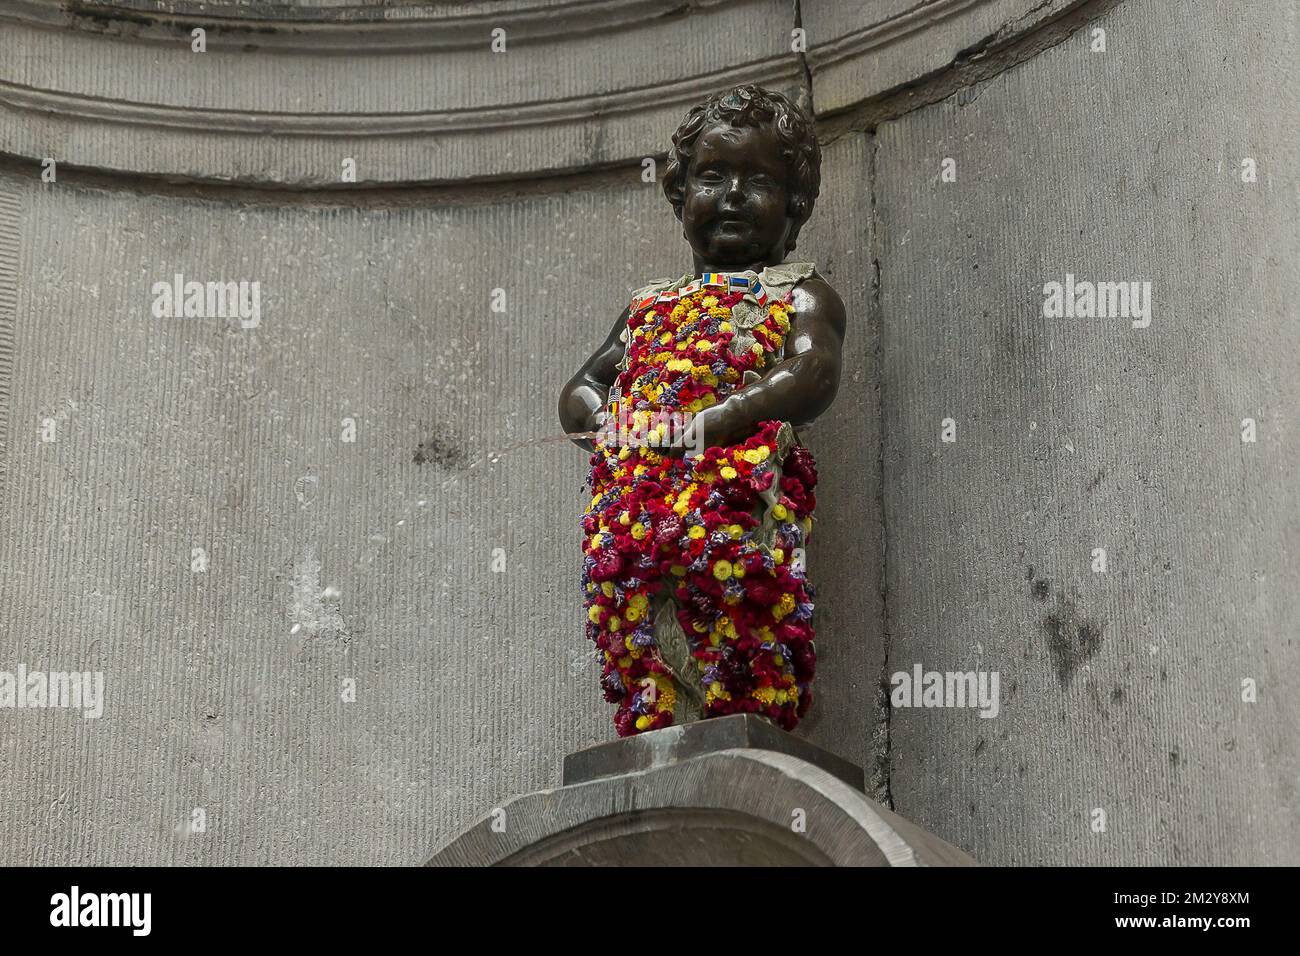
(723, 792)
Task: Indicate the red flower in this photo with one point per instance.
(762, 590)
(799, 464)
(609, 565)
(668, 529)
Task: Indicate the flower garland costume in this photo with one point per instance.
(695, 593)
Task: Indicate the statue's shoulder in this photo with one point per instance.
(778, 280)
(787, 273)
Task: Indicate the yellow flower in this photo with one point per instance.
(593, 614)
(722, 570)
(724, 326)
(696, 532)
(665, 338)
(678, 571)
(638, 531)
(624, 518)
(757, 455)
(784, 607)
(779, 512)
(716, 687)
(704, 346)
(709, 301)
(634, 614)
(778, 555)
(638, 601)
(728, 472)
(735, 531)
(737, 571)
(642, 722)
(607, 588)
(614, 623)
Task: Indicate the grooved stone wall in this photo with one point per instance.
(1120, 690)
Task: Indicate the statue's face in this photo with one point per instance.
(734, 212)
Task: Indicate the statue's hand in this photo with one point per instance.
(714, 426)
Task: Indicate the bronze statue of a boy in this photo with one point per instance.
(693, 568)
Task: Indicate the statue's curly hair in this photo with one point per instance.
(753, 106)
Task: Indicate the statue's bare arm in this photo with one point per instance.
(585, 395)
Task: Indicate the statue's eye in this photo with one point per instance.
(763, 180)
